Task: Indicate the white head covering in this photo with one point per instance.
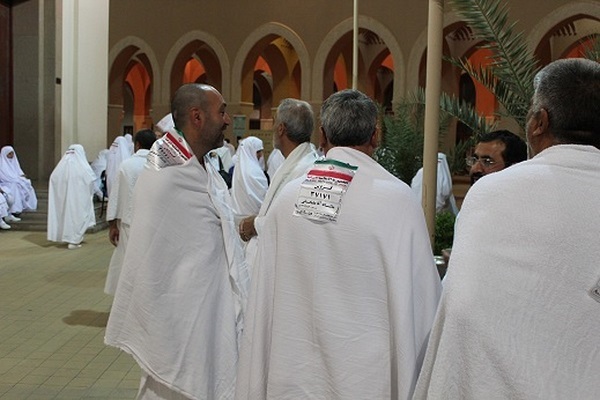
(249, 180)
(15, 184)
(119, 151)
(444, 197)
(10, 169)
(70, 205)
(129, 138)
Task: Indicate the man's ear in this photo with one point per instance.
(375, 138)
(540, 121)
(323, 142)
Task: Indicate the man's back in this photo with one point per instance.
(332, 316)
(516, 313)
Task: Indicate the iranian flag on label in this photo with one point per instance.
(322, 191)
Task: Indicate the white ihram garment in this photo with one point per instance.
(99, 165)
(340, 310)
(294, 166)
(70, 192)
(274, 161)
(249, 181)
(178, 305)
(517, 319)
(120, 208)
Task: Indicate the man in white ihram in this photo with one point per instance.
(178, 305)
(292, 130)
(520, 311)
(346, 287)
(119, 210)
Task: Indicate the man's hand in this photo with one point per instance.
(113, 232)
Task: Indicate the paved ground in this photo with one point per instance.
(53, 314)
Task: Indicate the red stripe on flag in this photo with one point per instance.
(330, 174)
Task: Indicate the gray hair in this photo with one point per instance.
(569, 90)
(298, 118)
(348, 118)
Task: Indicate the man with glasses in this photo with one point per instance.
(495, 151)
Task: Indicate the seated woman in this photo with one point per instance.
(14, 182)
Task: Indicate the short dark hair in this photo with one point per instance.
(569, 91)
(515, 149)
(145, 138)
(349, 118)
(187, 96)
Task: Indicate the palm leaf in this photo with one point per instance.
(513, 67)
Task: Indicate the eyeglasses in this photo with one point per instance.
(486, 162)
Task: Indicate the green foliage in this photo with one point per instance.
(510, 74)
(444, 231)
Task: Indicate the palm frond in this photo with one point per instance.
(513, 67)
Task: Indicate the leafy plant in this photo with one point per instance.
(510, 74)
(444, 231)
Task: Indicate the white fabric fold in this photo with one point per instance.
(70, 191)
(340, 310)
(177, 308)
(516, 319)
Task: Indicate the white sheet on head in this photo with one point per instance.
(13, 181)
(249, 181)
(340, 310)
(70, 190)
(118, 152)
(516, 319)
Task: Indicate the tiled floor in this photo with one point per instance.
(53, 314)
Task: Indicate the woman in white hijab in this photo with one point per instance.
(14, 182)
(70, 204)
(249, 180)
(118, 152)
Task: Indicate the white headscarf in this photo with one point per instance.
(10, 169)
(249, 181)
(444, 198)
(119, 151)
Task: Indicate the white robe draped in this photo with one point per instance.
(516, 319)
(120, 207)
(179, 301)
(444, 200)
(340, 310)
(70, 191)
(294, 166)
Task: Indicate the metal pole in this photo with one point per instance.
(355, 46)
(435, 29)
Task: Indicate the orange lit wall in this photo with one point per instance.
(578, 51)
(340, 76)
(262, 65)
(486, 103)
(388, 62)
(193, 70)
(139, 81)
